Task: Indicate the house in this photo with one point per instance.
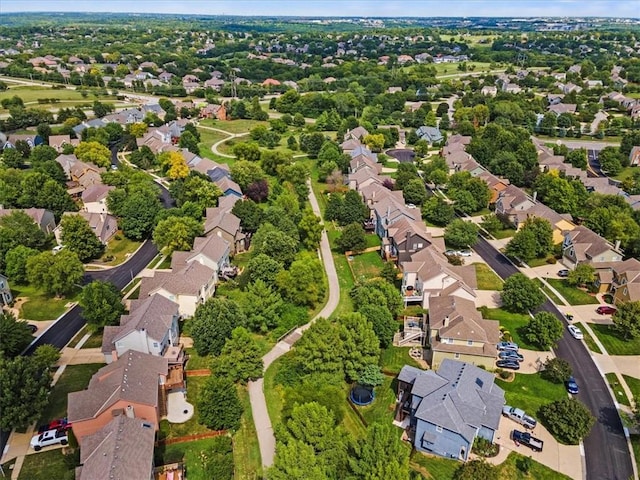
(6, 298)
(404, 238)
(132, 386)
(560, 108)
(228, 187)
(624, 280)
(357, 133)
(220, 221)
(489, 90)
(150, 327)
(60, 141)
(458, 331)
(44, 219)
(634, 156)
(389, 210)
(94, 198)
(212, 110)
(582, 245)
(83, 174)
(430, 134)
(448, 408)
(123, 448)
(104, 225)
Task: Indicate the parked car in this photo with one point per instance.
(518, 415)
(606, 310)
(32, 328)
(563, 273)
(507, 346)
(451, 253)
(59, 424)
(48, 438)
(572, 386)
(575, 332)
(464, 253)
(510, 355)
(527, 439)
(509, 364)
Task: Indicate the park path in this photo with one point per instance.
(214, 147)
(264, 429)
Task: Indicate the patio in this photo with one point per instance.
(178, 409)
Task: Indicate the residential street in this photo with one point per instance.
(261, 418)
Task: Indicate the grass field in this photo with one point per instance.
(373, 240)
(618, 392)
(392, 359)
(635, 444)
(196, 362)
(47, 465)
(613, 342)
(514, 323)
(30, 94)
(381, 410)
(366, 265)
(588, 339)
(487, 278)
(531, 391)
(41, 306)
(191, 453)
(232, 126)
(246, 451)
(274, 394)
(73, 379)
(505, 233)
(571, 294)
(344, 275)
(626, 172)
(191, 426)
(554, 298)
(120, 249)
(432, 467)
(94, 341)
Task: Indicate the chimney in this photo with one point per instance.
(446, 321)
(535, 195)
(617, 245)
(130, 412)
(407, 246)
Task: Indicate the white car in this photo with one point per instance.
(48, 438)
(464, 253)
(575, 332)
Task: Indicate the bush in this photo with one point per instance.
(485, 448)
(552, 260)
(568, 420)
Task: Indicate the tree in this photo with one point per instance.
(93, 152)
(249, 213)
(15, 335)
(213, 323)
(389, 272)
(258, 191)
(79, 237)
(626, 320)
(381, 455)
(352, 238)
(521, 294)
(415, 192)
(544, 329)
(262, 304)
(311, 143)
(240, 359)
(377, 292)
(319, 350)
(491, 223)
(476, 469)
(102, 304)
(557, 370)
(219, 407)
(295, 460)
(437, 211)
(56, 274)
(359, 344)
(375, 142)
(263, 267)
(12, 158)
(275, 243)
(522, 246)
(382, 322)
(303, 283)
(583, 274)
(177, 233)
(533, 240)
(16, 263)
(310, 229)
(460, 234)
(371, 376)
(568, 420)
(175, 165)
(190, 142)
(245, 173)
(138, 214)
(19, 229)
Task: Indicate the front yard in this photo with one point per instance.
(40, 306)
(573, 295)
(119, 250)
(530, 391)
(514, 323)
(487, 278)
(618, 392)
(48, 465)
(613, 342)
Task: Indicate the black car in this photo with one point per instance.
(510, 355)
(510, 364)
(32, 327)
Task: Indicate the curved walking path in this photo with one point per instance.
(266, 439)
(214, 147)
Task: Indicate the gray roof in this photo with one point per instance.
(459, 397)
(122, 449)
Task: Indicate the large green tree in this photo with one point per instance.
(381, 455)
(461, 234)
(262, 305)
(213, 323)
(275, 244)
(240, 359)
(56, 274)
(303, 284)
(569, 420)
(544, 329)
(79, 237)
(521, 294)
(382, 322)
(352, 238)
(359, 344)
(219, 407)
(295, 460)
(177, 233)
(19, 229)
(14, 335)
(101, 303)
(626, 320)
(16, 263)
(138, 214)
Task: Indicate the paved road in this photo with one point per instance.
(606, 450)
(264, 429)
(594, 163)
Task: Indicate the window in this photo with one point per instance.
(438, 429)
(624, 292)
(456, 355)
(469, 342)
(155, 344)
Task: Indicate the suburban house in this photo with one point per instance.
(228, 187)
(388, 211)
(448, 408)
(83, 174)
(634, 156)
(59, 141)
(428, 274)
(5, 291)
(104, 225)
(582, 245)
(220, 221)
(218, 112)
(357, 133)
(94, 198)
(45, 219)
(123, 448)
(430, 134)
(150, 327)
(406, 237)
(132, 385)
(458, 331)
(365, 175)
(625, 281)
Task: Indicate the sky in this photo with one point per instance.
(345, 8)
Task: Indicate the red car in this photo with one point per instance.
(60, 424)
(606, 310)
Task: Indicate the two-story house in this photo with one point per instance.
(448, 408)
(150, 327)
(94, 198)
(406, 237)
(220, 221)
(625, 284)
(582, 245)
(44, 219)
(388, 211)
(456, 330)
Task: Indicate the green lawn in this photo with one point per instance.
(554, 298)
(193, 454)
(366, 265)
(33, 93)
(373, 240)
(191, 426)
(345, 278)
(432, 467)
(274, 394)
(514, 323)
(47, 465)
(41, 306)
(618, 391)
(613, 342)
(509, 470)
(625, 172)
(246, 451)
(505, 233)
(196, 362)
(531, 391)
(119, 250)
(487, 278)
(392, 359)
(634, 385)
(232, 126)
(382, 408)
(94, 341)
(588, 339)
(571, 294)
(537, 262)
(73, 379)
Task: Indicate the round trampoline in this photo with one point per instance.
(361, 395)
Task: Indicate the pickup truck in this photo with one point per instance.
(525, 438)
(519, 416)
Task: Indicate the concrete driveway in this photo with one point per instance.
(561, 458)
(533, 360)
